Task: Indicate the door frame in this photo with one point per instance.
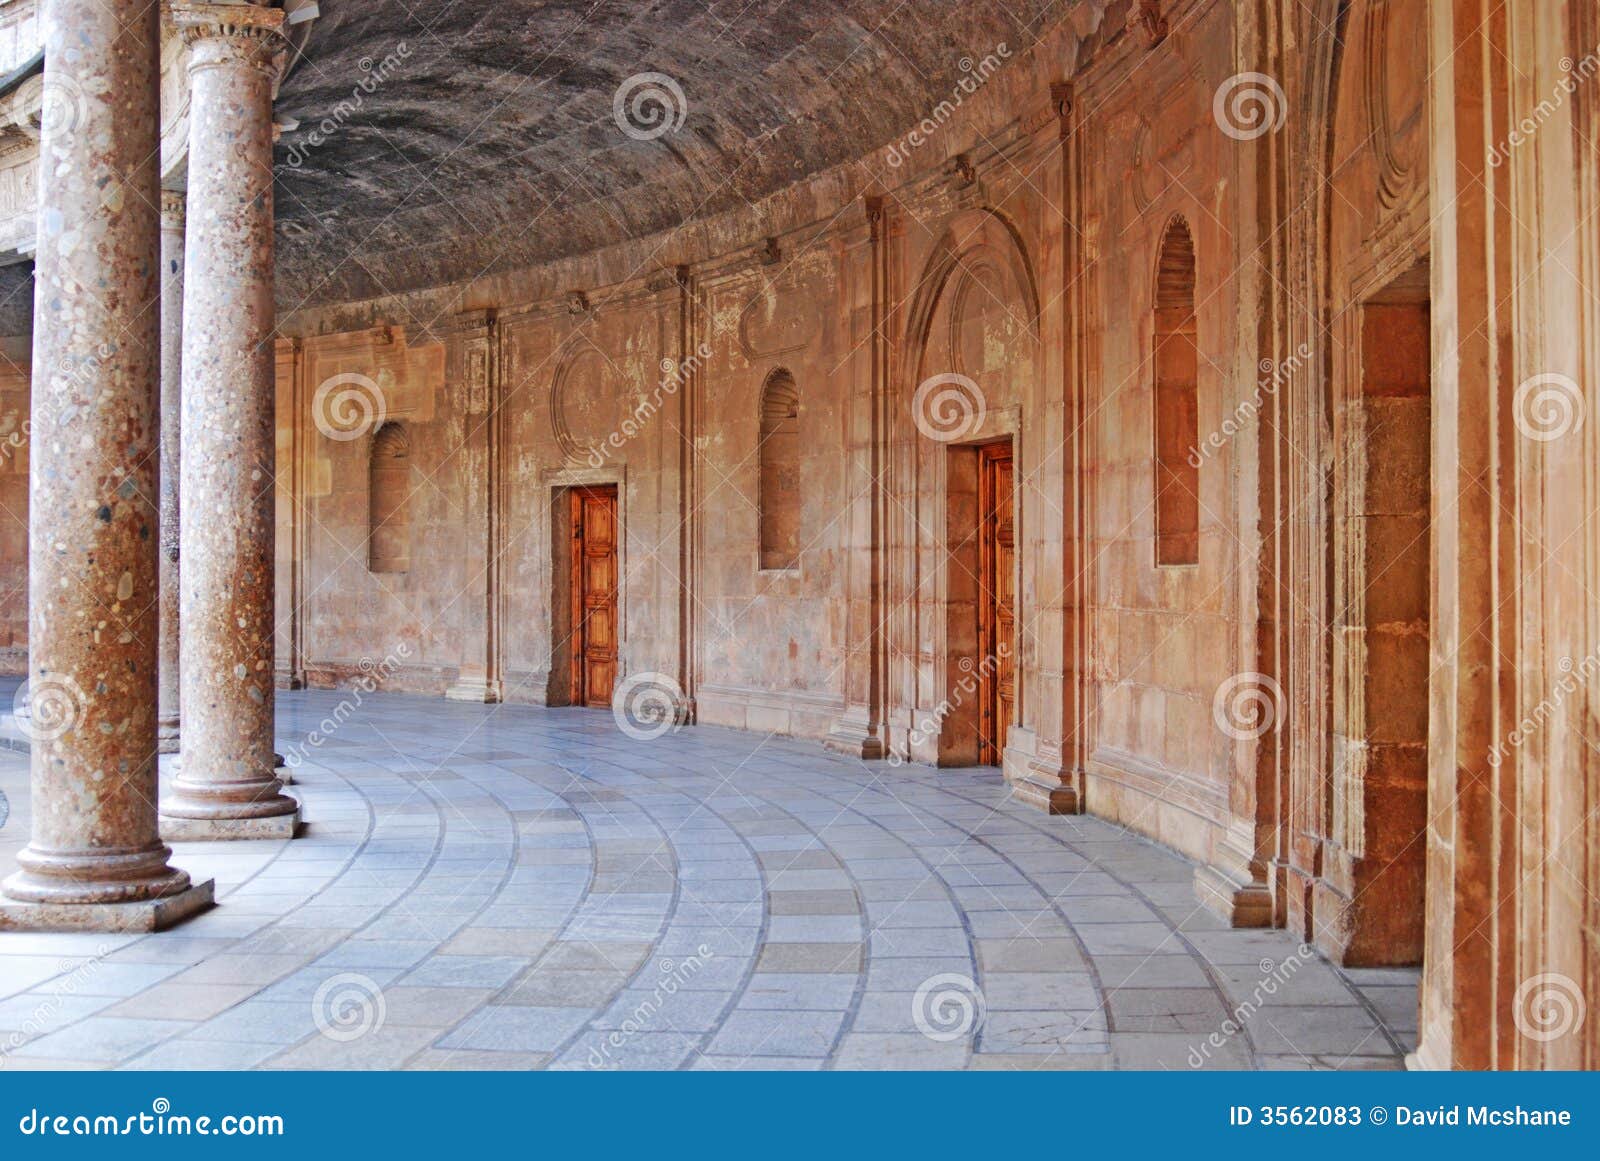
(992, 746)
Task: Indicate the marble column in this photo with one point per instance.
(95, 859)
(226, 787)
(171, 426)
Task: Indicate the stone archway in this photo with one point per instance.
(972, 355)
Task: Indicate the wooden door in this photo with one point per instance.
(997, 623)
(594, 595)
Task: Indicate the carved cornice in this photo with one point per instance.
(473, 320)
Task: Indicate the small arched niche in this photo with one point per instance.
(778, 489)
(389, 500)
(1177, 415)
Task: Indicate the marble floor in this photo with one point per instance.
(514, 887)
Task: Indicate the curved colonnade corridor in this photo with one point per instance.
(518, 887)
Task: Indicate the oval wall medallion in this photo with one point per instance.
(767, 329)
(583, 404)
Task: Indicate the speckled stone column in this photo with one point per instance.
(95, 859)
(171, 426)
(225, 786)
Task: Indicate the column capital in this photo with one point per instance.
(173, 202)
(215, 34)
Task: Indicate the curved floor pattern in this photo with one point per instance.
(513, 887)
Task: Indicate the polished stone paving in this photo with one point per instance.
(515, 887)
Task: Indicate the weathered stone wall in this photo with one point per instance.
(1164, 638)
(334, 393)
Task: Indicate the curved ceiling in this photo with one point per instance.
(442, 141)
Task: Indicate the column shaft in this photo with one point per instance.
(171, 461)
(93, 510)
(225, 786)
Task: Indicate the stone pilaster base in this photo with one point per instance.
(206, 830)
(1426, 1059)
(1240, 903)
(1039, 780)
(149, 915)
(474, 689)
(850, 735)
(167, 737)
(1045, 793)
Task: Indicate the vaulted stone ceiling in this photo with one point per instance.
(487, 139)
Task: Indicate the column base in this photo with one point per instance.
(194, 810)
(167, 736)
(144, 916)
(208, 830)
